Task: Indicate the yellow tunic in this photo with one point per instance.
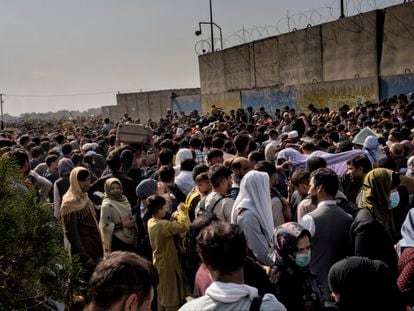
(161, 233)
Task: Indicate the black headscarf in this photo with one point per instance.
(364, 284)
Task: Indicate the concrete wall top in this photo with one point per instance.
(211, 68)
(350, 47)
(266, 62)
(300, 56)
(398, 43)
(238, 67)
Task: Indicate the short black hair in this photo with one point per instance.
(328, 179)
(256, 156)
(214, 153)
(166, 156)
(155, 202)
(202, 177)
(166, 174)
(199, 169)
(121, 274)
(267, 167)
(217, 173)
(242, 142)
(187, 165)
(223, 247)
(300, 176)
(315, 163)
(51, 158)
(114, 162)
(67, 149)
(36, 152)
(218, 142)
(195, 142)
(361, 161)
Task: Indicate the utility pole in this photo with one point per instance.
(342, 9)
(211, 28)
(2, 116)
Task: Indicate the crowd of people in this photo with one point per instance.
(250, 210)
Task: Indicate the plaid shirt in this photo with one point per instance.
(200, 157)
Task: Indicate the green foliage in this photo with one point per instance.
(34, 266)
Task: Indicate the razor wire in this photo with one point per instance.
(294, 21)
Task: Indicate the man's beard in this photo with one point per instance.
(314, 199)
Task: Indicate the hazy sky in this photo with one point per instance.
(67, 47)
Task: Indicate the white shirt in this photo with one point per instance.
(307, 221)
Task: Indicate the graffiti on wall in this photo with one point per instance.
(226, 101)
(269, 98)
(186, 104)
(394, 85)
(335, 94)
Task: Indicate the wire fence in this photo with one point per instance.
(294, 21)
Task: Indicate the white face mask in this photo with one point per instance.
(394, 199)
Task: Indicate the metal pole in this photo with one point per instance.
(211, 27)
(2, 116)
(342, 9)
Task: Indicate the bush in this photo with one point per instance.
(35, 269)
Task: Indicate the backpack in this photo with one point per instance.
(203, 210)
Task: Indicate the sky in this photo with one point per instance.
(77, 54)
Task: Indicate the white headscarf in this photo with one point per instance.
(182, 154)
(254, 196)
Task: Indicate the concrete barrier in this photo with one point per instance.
(269, 98)
(350, 47)
(266, 62)
(395, 85)
(239, 67)
(398, 42)
(300, 56)
(186, 104)
(212, 77)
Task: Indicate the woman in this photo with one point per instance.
(79, 221)
(360, 284)
(297, 288)
(372, 231)
(252, 211)
(405, 280)
(118, 227)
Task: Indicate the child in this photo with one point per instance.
(161, 233)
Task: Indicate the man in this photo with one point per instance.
(328, 224)
(217, 201)
(123, 281)
(195, 145)
(353, 181)
(300, 182)
(223, 249)
(215, 156)
(241, 142)
(128, 185)
(184, 179)
(240, 167)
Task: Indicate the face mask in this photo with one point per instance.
(303, 260)
(394, 199)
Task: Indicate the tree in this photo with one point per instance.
(35, 269)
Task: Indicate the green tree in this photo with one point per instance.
(35, 269)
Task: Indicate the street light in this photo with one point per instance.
(198, 32)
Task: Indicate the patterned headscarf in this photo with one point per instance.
(371, 145)
(285, 239)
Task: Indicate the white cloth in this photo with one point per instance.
(185, 182)
(182, 154)
(230, 292)
(307, 221)
(254, 195)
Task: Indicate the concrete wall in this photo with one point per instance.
(150, 105)
(269, 98)
(337, 93)
(350, 48)
(186, 104)
(351, 60)
(398, 43)
(395, 85)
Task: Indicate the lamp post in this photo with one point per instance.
(211, 23)
(211, 27)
